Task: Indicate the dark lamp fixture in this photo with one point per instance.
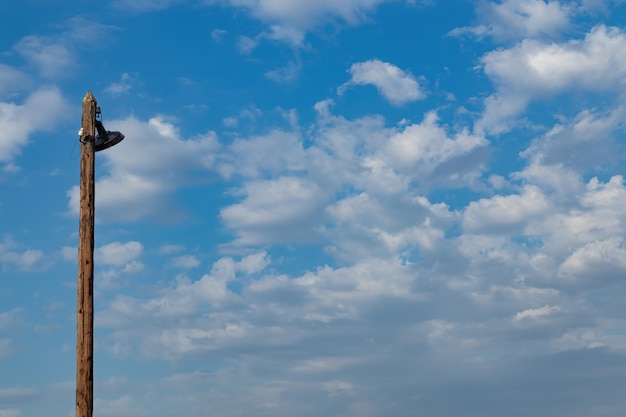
(105, 139)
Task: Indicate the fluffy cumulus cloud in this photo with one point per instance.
(426, 146)
(602, 259)
(123, 86)
(41, 111)
(536, 69)
(585, 142)
(590, 63)
(290, 20)
(286, 74)
(114, 260)
(397, 86)
(386, 167)
(505, 211)
(117, 253)
(13, 253)
(592, 217)
(303, 13)
(143, 171)
(361, 153)
(511, 20)
(284, 204)
(185, 262)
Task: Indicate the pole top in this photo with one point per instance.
(89, 97)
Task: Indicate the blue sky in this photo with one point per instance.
(330, 208)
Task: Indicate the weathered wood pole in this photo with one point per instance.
(84, 318)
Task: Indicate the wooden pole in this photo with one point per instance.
(84, 319)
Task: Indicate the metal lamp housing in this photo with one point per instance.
(105, 139)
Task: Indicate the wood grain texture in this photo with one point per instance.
(84, 319)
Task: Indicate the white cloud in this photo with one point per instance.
(230, 121)
(11, 168)
(585, 142)
(592, 215)
(536, 313)
(117, 253)
(426, 146)
(305, 13)
(519, 19)
(114, 260)
(371, 157)
(123, 86)
(254, 263)
(185, 262)
(117, 277)
(133, 267)
(387, 167)
(273, 153)
(325, 297)
(534, 69)
(41, 111)
(153, 161)
(509, 211)
(595, 7)
(592, 63)
(245, 45)
(557, 178)
(293, 18)
(150, 163)
(597, 261)
(218, 34)
(250, 114)
(182, 300)
(14, 253)
(284, 206)
(290, 35)
(364, 226)
(69, 253)
(397, 86)
(286, 74)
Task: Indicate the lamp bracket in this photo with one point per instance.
(85, 139)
